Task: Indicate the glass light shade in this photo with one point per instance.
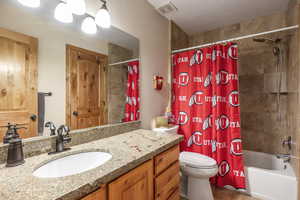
(77, 6)
(89, 26)
(103, 18)
(63, 13)
(30, 3)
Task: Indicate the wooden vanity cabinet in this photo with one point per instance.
(99, 194)
(135, 185)
(156, 179)
(167, 178)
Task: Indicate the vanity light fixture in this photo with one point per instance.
(103, 16)
(63, 13)
(89, 26)
(30, 3)
(78, 7)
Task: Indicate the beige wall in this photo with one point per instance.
(138, 18)
(293, 80)
(52, 36)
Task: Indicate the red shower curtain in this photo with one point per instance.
(132, 107)
(205, 105)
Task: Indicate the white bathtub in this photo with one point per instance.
(268, 178)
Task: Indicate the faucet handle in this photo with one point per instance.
(60, 130)
(67, 129)
(51, 126)
(287, 142)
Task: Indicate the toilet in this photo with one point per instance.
(198, 168)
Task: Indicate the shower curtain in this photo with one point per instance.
(132, 107)
(205, 105)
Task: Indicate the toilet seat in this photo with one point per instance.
(196, 160)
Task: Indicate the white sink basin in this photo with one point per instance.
(72, 164)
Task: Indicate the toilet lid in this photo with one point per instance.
(196, 160)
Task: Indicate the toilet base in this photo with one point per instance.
(199, 189)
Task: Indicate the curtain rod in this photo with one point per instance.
(237, 38)
(123, 62)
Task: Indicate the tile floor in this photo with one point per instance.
(223, 194)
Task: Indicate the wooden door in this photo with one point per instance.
(135, 185)
(86, 88)
(18, 82)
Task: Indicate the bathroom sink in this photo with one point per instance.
(72, 164)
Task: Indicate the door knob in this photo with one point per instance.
(33, 117)
(75, 113)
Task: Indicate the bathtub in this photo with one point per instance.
(268, 178)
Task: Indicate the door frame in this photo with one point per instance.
(32, 42)
(103, 59)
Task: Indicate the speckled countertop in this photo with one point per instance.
(128, 151)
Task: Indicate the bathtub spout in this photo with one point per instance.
(285, 157)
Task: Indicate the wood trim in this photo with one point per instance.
(33, 42)
(103, 61)
(102, 56)
(20, 37)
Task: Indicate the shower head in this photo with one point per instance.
(274, 43)
(267, 40)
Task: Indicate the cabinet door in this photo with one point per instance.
(99, 194)
(135, 185)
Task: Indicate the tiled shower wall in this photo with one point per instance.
(293, 77)
(265, 120)
(117, 82)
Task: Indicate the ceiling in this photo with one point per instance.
(46, 13)
(195, 16)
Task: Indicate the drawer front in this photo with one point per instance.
(165, 159)
(167, 183)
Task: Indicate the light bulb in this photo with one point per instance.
(77, 6)
(103, 18)
(30, 3)
(63, 13)
(89, 26)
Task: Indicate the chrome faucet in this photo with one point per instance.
(62, 139)
(285, 157)
(51, 126)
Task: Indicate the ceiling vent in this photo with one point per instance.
(167, 8)
(164, 7)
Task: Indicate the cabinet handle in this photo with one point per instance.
(75, 113)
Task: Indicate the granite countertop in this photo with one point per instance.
(128, 151)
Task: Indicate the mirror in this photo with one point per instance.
(53, 71)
